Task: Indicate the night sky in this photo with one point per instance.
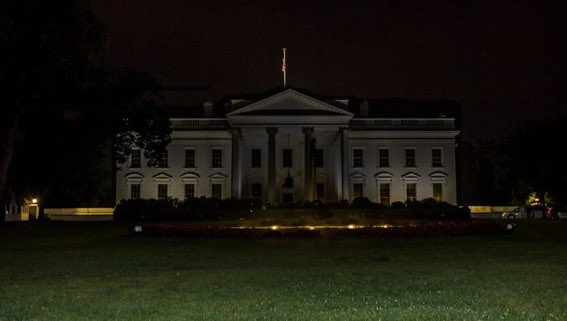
(504, 61)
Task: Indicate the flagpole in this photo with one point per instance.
(284, 69)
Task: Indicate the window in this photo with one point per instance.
(256, 158)
(436, 157)
(190, 158)
(357, 158)
(320, 189)
(189, 190)
(438, 192)
(135, 191)
(136, 158)
(287, 157)
(357, 190)
(162, 160)
(385, 193)
(410, 157)
(383, 157)
(216, 158)
(256, 190)
(318, 157)
(162, 191)
(287, 198)
(216, 191)
(411, 191)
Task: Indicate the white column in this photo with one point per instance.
(235, 173)
(345, 163)
(271, 164)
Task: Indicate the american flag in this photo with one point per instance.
(283, 60)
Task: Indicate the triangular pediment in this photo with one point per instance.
(162, 177)
(411, 177)
(288, 105)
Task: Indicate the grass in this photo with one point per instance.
(97, 271)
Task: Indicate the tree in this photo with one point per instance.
(63, 113)
(47, 47)
(530, 161)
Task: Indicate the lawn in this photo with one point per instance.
(97, 271)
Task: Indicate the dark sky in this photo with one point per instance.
(504, 61)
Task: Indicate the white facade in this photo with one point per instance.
(246, 154)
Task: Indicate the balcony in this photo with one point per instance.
(403, 124)
(199, 123)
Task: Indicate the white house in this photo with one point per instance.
(292, 146)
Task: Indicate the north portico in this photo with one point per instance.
(288, 128)
(292, 146)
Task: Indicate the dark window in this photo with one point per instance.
(411, 191)
(383, 157)
(190, 158)
(320, 188)
(189, 190)
(136, 158)
(357, 190)
(438, 192)
(287, 157)
(256, 158)
(135, 191)
(410, 157)
(385, 193)
(162, 191)
(436, 157)
(318, 157)
(163, 161)
(357, 160)
(287, 198)
(256, 190)
(216, 190)
(216, 158)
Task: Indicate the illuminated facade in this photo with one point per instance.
(291, 146)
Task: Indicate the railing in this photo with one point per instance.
(196, 123)
(399, 123)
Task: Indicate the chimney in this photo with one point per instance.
(208, 109)
(364, 109)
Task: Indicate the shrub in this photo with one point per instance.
(361, 202)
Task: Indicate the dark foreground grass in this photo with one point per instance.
(86, 271)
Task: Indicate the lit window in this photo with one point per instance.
(436, 157)
(190, 158)
(385, 193)
(357, 160)
(135, 191)
(136, 158)
(410, 157)
(216, 191)
(256, 190)
(216, 158)
(383, 157)
(438, 192)
(256, 158)
(162, 191)
(411, 191)
(287, 157)
(189, 190)
(318, 157)
(357, 190)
